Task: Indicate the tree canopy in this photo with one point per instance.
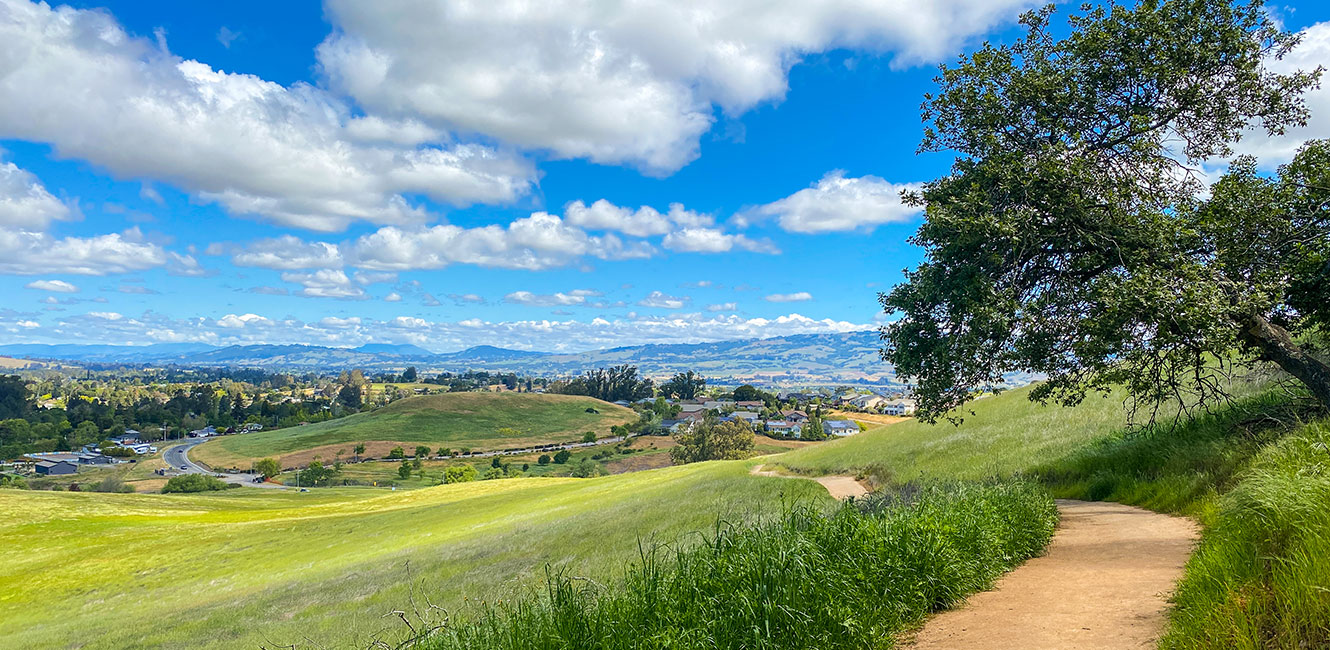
(712, 439)
(1073, 236)
(609, 384)
(684, 385)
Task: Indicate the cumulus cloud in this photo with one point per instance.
(1313, 51)
(614, 82)
(393, 297)
(539, 241)
(544, 334)
(714, 240)
(24, 201)
(662, 300)
(58, 286)
(289, 253)
(800, 296)
(574, 297)
(724, 306)
(838, 203)
(32, 253)
(293, 155)
(326, 283)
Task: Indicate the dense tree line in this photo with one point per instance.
(610, 384)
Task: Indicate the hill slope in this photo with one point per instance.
(471, 420)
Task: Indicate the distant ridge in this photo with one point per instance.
(848, 358)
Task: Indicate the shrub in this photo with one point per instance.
(459, 474)
(404, 471)
(397, 453)
(544, 459)
(492, 473)
(113, 484)
(422, 451)
(268, 467)
(589, 437)
(849, 578)
(193, 483)
(586, 469)
(562, 456)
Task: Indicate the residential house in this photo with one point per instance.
(128, 438)
(691, 407)
(675, 426)
(56, 467)
(839, 427)
(899, 407)
(798, 417)
(750, 404)
(747, 416)
(782, 428)
(868, 402)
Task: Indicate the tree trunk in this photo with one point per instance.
(1276, 345)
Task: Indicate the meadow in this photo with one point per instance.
(479, 421)
(249, 567)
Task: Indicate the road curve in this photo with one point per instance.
(177, 460)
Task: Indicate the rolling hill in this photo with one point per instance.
(480, 421)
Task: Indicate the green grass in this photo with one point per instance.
(249, 567)
(452, 419)
(853, 578)
(1005, 435)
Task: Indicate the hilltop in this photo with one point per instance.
(479, 421)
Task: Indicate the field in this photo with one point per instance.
(456, 420)
(238, 568)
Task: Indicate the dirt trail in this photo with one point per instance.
(1102, 584)
(840, 487)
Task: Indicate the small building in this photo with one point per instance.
(95, 459)
(783, 428)
(129, 437)
(675, 426)
(750, 404)
(56, 467)
(794, 416)
(839, 428)
(747, 416)
(899, 407)
(691, 407)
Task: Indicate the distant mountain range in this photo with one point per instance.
(801, 359)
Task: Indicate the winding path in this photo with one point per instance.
(1103, 584)
(840, 487)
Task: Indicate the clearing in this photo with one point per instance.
(1102, 584)
(472, 420)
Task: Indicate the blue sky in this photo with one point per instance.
(543, 177)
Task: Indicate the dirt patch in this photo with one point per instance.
(148, 485)
(1104, 583)
(871, 419)
(638, 463)
(840, 487)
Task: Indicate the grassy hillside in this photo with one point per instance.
(233, 569)
(452, 419)
(1006, 434)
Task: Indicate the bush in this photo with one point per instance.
(113, 484)
(544, 459)
(849, 578)
(422, 451)
(268, 467)
(586, 469)
(492, 473)
(459, 474)
(589, 436)
(404, 471)
(397, 453)
(193, 483)
(562, 456)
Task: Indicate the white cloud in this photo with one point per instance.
(614, 82)
(24, 201)
(725, 306)
(289, 253)
(293, 155)
(58, 286)
(31, 253)
(551, 335)
(800, 296)
(838, 203)
(574, 297)
(393, 297)
(662, 300)
(105, 315)
(325, 283)
(603, 215)
(713, 240)
(539, 241)
(1313, 51)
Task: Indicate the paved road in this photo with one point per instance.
(177, 460)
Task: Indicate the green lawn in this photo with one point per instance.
(471, 420)
(236, 568)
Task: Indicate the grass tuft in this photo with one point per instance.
(850, 578)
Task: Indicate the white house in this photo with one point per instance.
(839, 428)
(899, 407)
(783, 428)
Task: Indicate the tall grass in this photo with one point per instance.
(851, 578)
(1261, 577)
